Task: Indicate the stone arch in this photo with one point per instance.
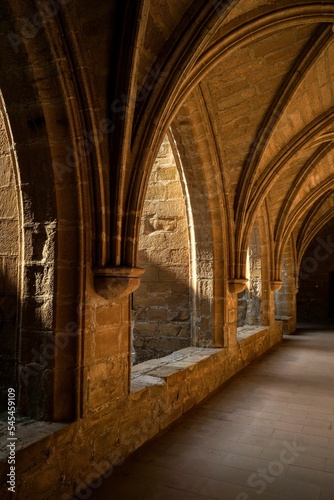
(161, 305)
(313, 224)
(10, 259)
(52, 190)
(209, 226)
(250, 300)
(34, 353)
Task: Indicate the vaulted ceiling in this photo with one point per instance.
(257, 78)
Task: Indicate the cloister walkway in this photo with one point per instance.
(267, 435)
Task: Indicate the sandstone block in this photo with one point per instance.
(167, 174)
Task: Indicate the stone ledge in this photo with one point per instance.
(287, 322)
(143, 381)
(175, 365)
(247, 334)
(27, 432)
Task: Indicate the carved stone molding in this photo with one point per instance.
(111, 283)
(275, 285)
(237, 285)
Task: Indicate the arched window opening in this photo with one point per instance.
(27, 264)
(9, 263)
(282, 296)
(161, 305)
(285, 297)
(250, 300)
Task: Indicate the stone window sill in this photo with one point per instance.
(27, 432)
(162, 370)
(283, 318)
(245, 332)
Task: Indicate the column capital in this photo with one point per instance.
(276, 285)
(111, 283)
(237, 285)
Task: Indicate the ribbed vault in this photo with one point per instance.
(262, 83)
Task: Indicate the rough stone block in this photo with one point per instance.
(9, 203)
(175, 330)
(145, 329)
(156, 192)
(156, 314)
(179, 300)
(178, 314)
(6, 171)
(146, 302)
(159, 288)
(167, 174)
(165, 224)
(174, 190)
(8, 234)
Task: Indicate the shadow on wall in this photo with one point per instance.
(8, 330)
(161, 312)
(250, 300)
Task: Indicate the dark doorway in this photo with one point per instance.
(331, 296)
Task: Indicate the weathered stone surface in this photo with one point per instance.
(164, 253)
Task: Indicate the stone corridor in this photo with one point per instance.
(166, 217)
(267, 434)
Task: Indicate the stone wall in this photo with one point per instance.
(161, 304)
(285, 298)
(56, 461)
(249, 301)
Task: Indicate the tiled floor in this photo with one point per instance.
(268, 434)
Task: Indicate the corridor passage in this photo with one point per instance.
(267, 435)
